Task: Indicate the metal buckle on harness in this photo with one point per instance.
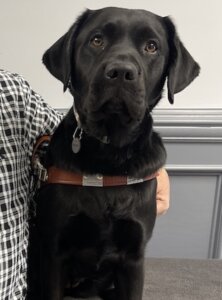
(39, 170)
(40, 148)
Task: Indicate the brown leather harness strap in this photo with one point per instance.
(40, 141)
(57, 175)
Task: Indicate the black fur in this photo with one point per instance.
(91, 240)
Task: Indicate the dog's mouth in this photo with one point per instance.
(111, 111)
(113, 123)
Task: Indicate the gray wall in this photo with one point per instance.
(193, 226)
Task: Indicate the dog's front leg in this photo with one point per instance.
(129, 280)
(51, 286)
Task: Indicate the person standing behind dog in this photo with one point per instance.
(24, 116)
(163, 192)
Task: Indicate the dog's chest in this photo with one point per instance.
(89, 245)
(102, 227)
(96, 228)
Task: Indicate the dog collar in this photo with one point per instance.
(77, 136)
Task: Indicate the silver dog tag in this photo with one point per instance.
(76, 142)
(76, 145)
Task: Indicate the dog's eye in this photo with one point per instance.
(151, 47)
(97, 41)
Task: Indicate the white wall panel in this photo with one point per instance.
(28, 27)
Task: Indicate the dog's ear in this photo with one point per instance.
(57, 58)
(182, 67)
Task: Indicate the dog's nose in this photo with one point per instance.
(123, 72)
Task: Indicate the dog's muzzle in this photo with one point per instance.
(118, 93)
(115, 105)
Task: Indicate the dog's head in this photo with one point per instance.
(115, 62)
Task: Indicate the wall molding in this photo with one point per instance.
(215, 245)
(189, 125)
(204, 169)
(188, 116)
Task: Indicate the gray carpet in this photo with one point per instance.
(176, 279)
(182, 279)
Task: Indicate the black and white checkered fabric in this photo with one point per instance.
(24, 116)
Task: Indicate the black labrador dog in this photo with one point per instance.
(91, 238)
